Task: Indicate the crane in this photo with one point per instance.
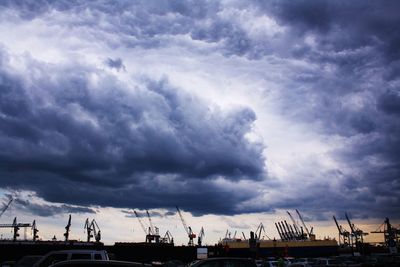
(296, 227)
(153, 231)
(355, 232)
(66, 234)
(259, 229)
(34, 231)
(6, 206)
(16, 226)
(344, 235)
(391, 234)
(96, 230)
(188, 229)
(168, 238)
(309, 233)
(200, 237)
(279, 232)
(88, 228)
(141, 223)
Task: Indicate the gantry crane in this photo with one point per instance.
(200, 237)
(96, 230)
(391, 235)
(356, 233)
(188, 229)
(344, 235)
(297, 229)
(310, 234)
(16, 226)
(66, 234)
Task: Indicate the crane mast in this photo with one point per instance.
(67, 228)
(200, 237)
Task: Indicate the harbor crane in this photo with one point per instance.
(168, 238)
(310, 234)
(297, 228)
(258, 231)
(391, 235)
(88, 228)
(15, 226)
(148, 231)
(356, 233)
(34, 231)
(154, 234)
(188, 229)
(344, 235)
(200, 237)
(96, 230)
(67, 228)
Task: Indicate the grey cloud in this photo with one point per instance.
(99, 149)
(49, 210)
(115, 63)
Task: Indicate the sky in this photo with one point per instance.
(235, 111)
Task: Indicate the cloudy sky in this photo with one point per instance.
(235, 111)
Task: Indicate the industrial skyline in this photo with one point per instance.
(235, 111)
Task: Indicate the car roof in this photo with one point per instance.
(98, 262)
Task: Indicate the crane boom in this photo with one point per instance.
(6, 206)
(296, 228)
(302, 221)
(152, 231)
(183, 220)
(141, 223)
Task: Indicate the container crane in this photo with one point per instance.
(297, 230)
(344, 235)
(15, 226)
(391, 235)
(310, 234)
(188, 229)
(66, 234)
(356, 233)
(200, 237)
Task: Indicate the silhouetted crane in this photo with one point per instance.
(66, 234)
(34, 231)
(200, 237)
(188, 229)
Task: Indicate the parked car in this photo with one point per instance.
(7, 264)
(103, 263)
(73, 254)
(224, 262)
(28, 261)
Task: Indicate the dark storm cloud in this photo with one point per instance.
(115, 63)
(116, 147)
(49, 210)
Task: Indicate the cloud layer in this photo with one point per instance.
(99, 104)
